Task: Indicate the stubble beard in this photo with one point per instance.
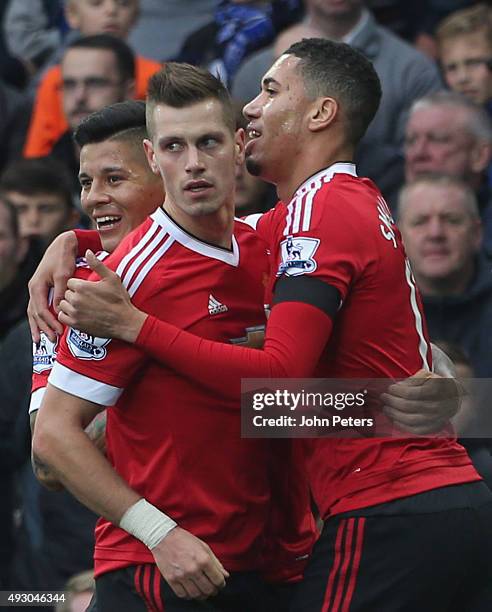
(253, 167)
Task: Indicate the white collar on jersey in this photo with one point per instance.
(194, 244)
(325, 176)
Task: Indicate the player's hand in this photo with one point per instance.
(54, 270)
(189, 566)
(423, 403)
(101, 308)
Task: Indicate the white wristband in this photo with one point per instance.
(147, 523)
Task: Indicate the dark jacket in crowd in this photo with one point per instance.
(466, 320)
(67, 527)
(15, 379)
(15, 297)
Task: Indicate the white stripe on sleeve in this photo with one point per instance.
(36, 399)
(84, 387)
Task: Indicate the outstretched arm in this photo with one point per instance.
(296, 335)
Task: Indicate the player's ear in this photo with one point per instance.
(150, 155)
(480, 156)
(239, 144)
(322, 113)
(72, 14)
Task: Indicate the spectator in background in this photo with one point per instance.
(465, 52)
(96, 71)
(403, 18)
(13, 304)
(416, 21)
(79, 590)
(239, 28)
(13, 274)
(33, 31)
(473, 420)
(441, 229)
(40, 190)
(253, 195)
(405, 75)
(164, 25)
(14, 116)
(13, 70)
(14, 453)
(112, 17)
(447, 133)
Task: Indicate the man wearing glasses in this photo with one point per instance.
(97, 71)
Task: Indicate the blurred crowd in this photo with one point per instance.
(429, 149)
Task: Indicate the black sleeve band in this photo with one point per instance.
(308, 290)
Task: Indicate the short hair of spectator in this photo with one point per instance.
(180, 85)
(335, 69)
(125, 58)
(479, 125)
(120, 121)
(441, 180)
(473, 20)
(37, 175)
(13, 220)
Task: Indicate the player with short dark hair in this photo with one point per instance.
(119, 121)
(112, 154)
(345, 306)
(179, 85)
(334, 71)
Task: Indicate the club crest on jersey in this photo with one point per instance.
(298, 256)
(85, 346)
(43, 354)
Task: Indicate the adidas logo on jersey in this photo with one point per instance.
(214, 306)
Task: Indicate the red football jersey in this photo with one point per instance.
(44, 353)
(339, 229)
(173, 441)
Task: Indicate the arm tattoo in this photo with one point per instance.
(96, 430)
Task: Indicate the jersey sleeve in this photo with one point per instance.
(328, 248)
(94, 369)
(43, 360)
(45, 352)
(87, 239)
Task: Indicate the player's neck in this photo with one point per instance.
(215, 228)
(315, 159)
